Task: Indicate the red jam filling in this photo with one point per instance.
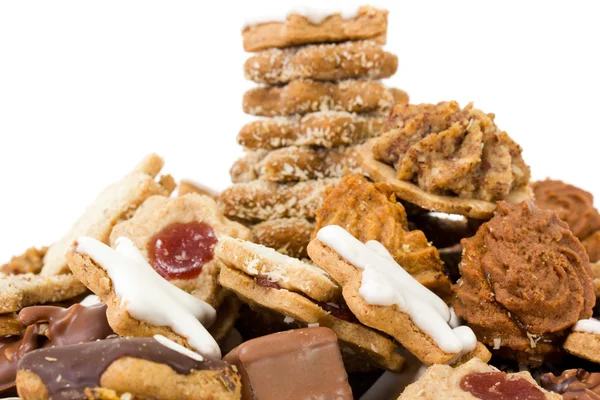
(263, 281)
(498, 386)
(339, 311)
(180, 251)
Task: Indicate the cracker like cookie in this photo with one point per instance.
(140, 302)
(142, 367)
(323, 62)
(261, 200)
(289, 273)
(177, 237)
(363, 342)
(384, 296)
(289, 236)
(18, 291)
(304, 96)
(584, 341)
(115, 203)
(366, 23)
(321, 128)
(472, 208)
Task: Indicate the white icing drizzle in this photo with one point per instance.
(90, 300)
(591, 325)
(455, 321)
(177, 347)
(385, 283)
(149, 297)
(315, 15)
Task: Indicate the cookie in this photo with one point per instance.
(50, 326)
(289, 236)
(385, 297)
(573, 384)
(584, 341)
(243, 170)
(293, 164)
(227, 314)
(321, 128)
(186, 186)
(592, 246)
(18, 291)
(140, 367)
(31, 261)
(573, 205)
(305, 96)
(177, 237)
(365, 23)
(115, 203)
(264, 263)
(407, 191)
(363, 59)
(140, 302)
(363, 342)
(542, 282)
(475, 380)
(370, 212)
(297, 364)
(10, 325)
(449, 150)
(261, 200)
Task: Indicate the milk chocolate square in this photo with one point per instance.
(296, 364)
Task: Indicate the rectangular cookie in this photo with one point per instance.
(367, 23)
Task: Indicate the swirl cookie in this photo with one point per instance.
(135, 367)
(592, 246)
(449, 159)
(289, 236)
(261, 200)
(525, 281)
(266, 279)
(475, 380)
(305, 96)
(573, 205)
(369, 212)
(177, 237)
(299, 28)
(115, 203)
(140, 302)
(322, 62)
(382, 295)
(321, 128)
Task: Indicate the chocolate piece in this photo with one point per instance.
(297, 364)
(499, 386)
(49, 326)
(574, 384)
(180, 251)
(81, 366)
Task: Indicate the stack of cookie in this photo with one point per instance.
(321, 96)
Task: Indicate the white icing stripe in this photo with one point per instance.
(149, 297)
(315, 15)
(90, 300)
(385, 283)
(591, 325)
(178, 348)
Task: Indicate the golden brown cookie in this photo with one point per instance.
(583, 344)
(115, 203)
(366, 343)
(305, 96)
(322, 128)
(573, 205)
(444, 149)
(243, 170)
(177, 226)
(261, 262)
(18, 291)
(260, 200)
(592, 246)
(133, 367)
(525, 281)
(10, 325)
(31, 261)
(187, 186)
(370, 212)
(407, 191)
(363, 59)
(368, 23)
(289, 236)
(474, 380)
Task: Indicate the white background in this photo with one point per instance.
(88, 88)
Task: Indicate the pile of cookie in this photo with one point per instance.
(429, 268)
(320, 95)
